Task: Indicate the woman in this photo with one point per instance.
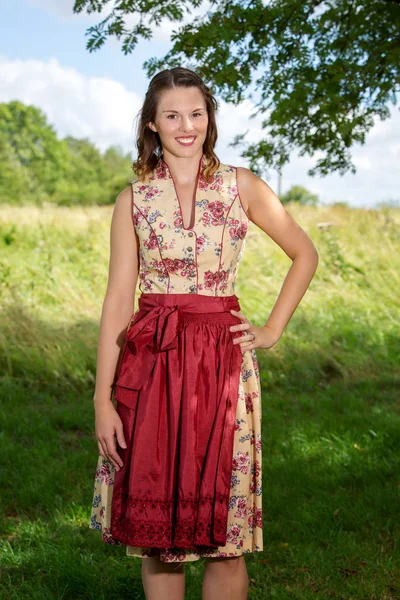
(185, 481)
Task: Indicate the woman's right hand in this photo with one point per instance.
(108, 424)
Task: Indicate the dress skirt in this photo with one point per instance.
(189, 401)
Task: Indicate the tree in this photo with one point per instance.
(93, 178)
(322, 69)
(86, 162)
(15, 184)
(36, 166)
(35, 153)
(299, 194)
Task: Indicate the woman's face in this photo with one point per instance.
(181, 112)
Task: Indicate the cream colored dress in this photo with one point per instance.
(202, 259)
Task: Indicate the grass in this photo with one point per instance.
(331, 416)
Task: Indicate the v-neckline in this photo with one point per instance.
(196, 189)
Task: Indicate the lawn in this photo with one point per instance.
(331, 412)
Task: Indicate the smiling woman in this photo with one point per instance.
(186, 480)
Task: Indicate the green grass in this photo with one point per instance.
(331, 413)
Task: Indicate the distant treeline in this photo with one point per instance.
(37, 167)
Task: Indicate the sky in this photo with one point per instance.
(44, 62)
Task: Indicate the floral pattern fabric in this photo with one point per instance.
(203, 259)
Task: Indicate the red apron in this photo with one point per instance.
(177, 389)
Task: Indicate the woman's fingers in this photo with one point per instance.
(112, 454)
(240, 326)
(102, 451)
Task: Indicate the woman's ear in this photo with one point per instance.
(152, 127)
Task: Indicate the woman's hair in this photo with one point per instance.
(148, 141)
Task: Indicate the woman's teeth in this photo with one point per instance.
(186, 141)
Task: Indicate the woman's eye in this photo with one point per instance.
(175, 115)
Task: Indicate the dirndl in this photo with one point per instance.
(177, 390)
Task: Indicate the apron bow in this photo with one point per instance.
(149, 333)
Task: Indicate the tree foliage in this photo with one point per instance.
(299, 194)
(36, 166)
(317, 71)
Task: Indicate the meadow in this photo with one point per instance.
(331, 412)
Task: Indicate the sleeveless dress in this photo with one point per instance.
(189, 399)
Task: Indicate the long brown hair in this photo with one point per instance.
(148, 141)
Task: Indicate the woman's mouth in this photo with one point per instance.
(186, 141)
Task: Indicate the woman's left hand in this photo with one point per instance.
(264, 337)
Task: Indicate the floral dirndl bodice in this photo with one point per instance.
(202, 259)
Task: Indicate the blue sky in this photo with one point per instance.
(44, 61)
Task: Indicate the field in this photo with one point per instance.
(331, 412)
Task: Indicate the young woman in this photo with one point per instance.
(185, 480)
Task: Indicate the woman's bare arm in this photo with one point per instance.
(267, 212)
(118, 307)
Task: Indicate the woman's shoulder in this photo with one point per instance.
(124, 199)
(246, 177)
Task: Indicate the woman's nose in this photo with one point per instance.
(186, 125)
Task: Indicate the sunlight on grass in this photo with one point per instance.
(331, 420)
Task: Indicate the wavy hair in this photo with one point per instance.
(148, 142)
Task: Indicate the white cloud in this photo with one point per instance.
(95, 107)
(105, 111)
(362, 162)
(64, 9)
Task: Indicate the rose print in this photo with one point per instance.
(151, 242)
(241, 508)
(237, 230)
(173, 266)
(249, 403)
(206, 219)
(158, 266)
(241, 462)
(217, 209)
(211, 279)
(250, 517)
(103, 473)
(259, 517)
(148, 192)
(160, 172)
(232, 534)
(189, 270)
(178, 222)
(137, 219)
(256, 469)
(233, 190)
(218, 182)
(200, 243)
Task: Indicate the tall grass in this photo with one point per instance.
(331, 435)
